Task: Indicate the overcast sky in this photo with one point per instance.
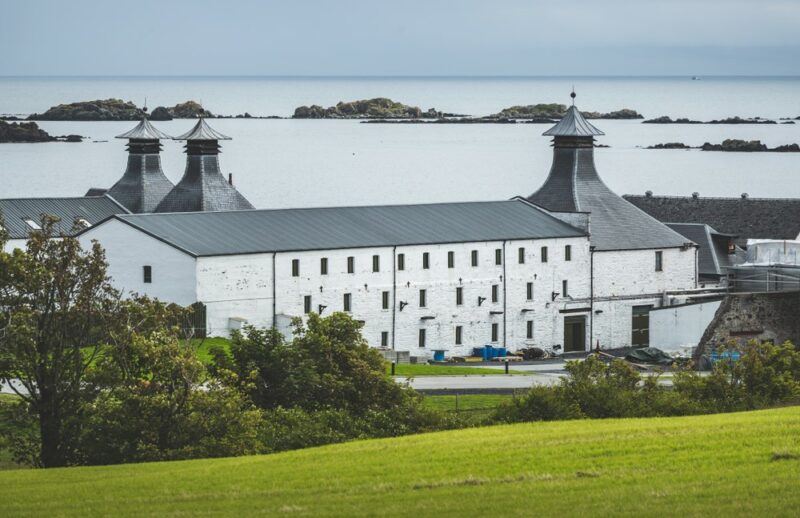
(401, 37)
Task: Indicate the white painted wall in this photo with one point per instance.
(632, 272)
(128, 250)
(678, 328)
(13, 244)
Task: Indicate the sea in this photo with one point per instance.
(312, 163)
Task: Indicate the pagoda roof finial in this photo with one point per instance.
(144, 131)
(202, 131)
(573, 124)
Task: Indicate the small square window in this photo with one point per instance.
(347, 302)
(474, 258)
(498, 256)
(529, 329)
(351, 264)
(323, 266)
(295, 267)
(459, 296)
(385, 300)
(459, 332)
(384, 338)
(659, 261)
(495, 292)
(564, 288)
(307, 304)
(568, 253)
(422, 338)
(521, 253)
(32, 224)
(147, 271)
(426, 260)
(529, 291)
(495, 332)
(401, 261)
(451, 259)
(376, 263)
(423, 298)
(544, 254)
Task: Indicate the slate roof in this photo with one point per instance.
(144, 131)
(202, 131)
(143, 185)
(202, 188)
(574, 185)
(747, 218)
(260, 231)
(712, 257)
(93, 209)
(573, 124)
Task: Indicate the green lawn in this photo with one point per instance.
(745, 464)
(466, 402)
(204, 346)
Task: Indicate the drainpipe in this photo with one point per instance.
(394, 292)
(504, 295)
(274, 291)
(591, 297)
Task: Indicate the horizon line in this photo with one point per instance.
(395, 76)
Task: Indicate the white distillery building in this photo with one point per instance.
(573, 264)
(448, 276)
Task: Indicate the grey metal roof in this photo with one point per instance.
(93, 209)
(202, 131)
(747, 218)
(573, 124)
(144, 131)
(713, 257)
(257, 231)
(574, 185)
(202, 188)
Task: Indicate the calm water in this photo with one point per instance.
(286, 163)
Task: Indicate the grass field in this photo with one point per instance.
(745, 464)
(466, 402)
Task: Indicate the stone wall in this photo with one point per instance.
(762, 316)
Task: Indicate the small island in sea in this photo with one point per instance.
(750, 146)
(29, 132)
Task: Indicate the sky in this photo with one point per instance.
(399, 38)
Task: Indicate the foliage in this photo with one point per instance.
(741, 464)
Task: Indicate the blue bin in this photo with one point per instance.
(501, 352)
(477, 351)
(438, 356)
(488, 352)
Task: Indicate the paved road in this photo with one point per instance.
(475, 382)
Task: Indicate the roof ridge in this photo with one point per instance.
(731, 198)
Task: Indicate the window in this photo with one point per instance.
(385, 300)
(568, 253)
(351, 264)
(521, 253)
(529, 329)
(426, 260)
(33, 224)
(423, 298)
(474, 258)
(422, 338)
(307, 304)
(498, 256)
(147, 271)
(451, 259)
(458, 335)
(323, 266)
(659, 261)
(564, 289)
(495, 291)
(401, 261)
(295, 267)
(376, 263)
(544, 254)
(459, 296)
(495, 332)
(82, 222)
(384, 338)
(348, 298)
(529, 291)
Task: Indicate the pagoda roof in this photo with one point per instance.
(573, 124)
(144, 131)
(202, 131)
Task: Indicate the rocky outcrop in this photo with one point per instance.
(187, 110)
(668, 120)
(670, 145)
(552, 112)
(99, 110)
(26, 132)
(748, 146)
(377, 108)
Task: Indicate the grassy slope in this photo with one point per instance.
(721, 465)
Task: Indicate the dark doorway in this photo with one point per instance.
(574, 334)
(640, 326)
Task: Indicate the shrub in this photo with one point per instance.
(539, 404)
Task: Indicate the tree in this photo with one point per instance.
(56, 310)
